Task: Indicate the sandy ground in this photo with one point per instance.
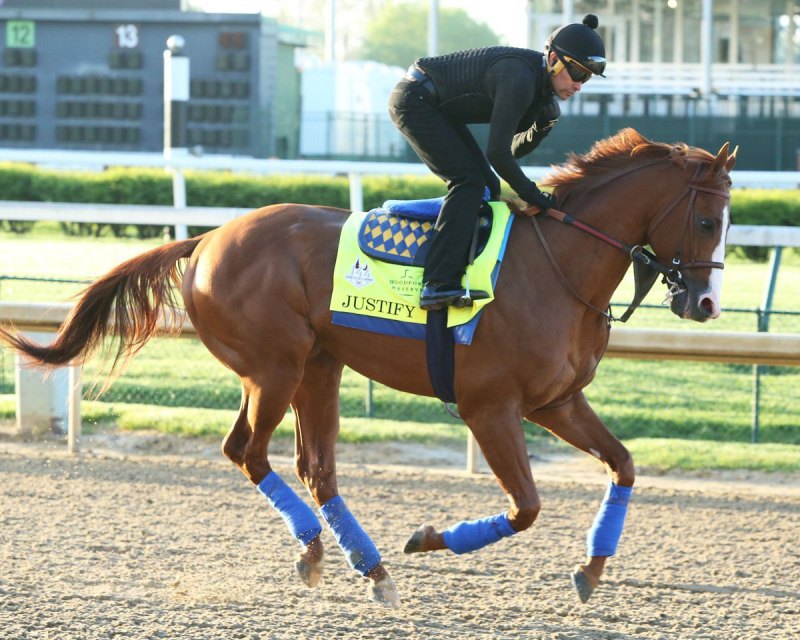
(152, 537)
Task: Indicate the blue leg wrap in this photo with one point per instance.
(606, 531)
(299, 517)
(361, 553)
(476, 534)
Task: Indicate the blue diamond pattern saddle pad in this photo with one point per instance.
(400, 231)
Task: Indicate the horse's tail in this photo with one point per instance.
(129, 302)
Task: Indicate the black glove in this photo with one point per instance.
(543, 200)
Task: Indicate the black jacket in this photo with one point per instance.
(507, 87)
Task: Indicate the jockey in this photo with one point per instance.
(514, 90)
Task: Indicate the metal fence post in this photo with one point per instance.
(356, 191)
(176, 99)
(74, 409)
(763, 326)
(357, 204)
(42, 397)
(368, 399)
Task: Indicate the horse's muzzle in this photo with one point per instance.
(690, 304)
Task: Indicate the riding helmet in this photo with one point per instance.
(580, 42)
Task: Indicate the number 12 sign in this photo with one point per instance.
(21, 34)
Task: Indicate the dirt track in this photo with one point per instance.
(163, 546)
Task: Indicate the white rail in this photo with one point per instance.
(687, 78)
(102, 159)
(739, 235)
(663, 344)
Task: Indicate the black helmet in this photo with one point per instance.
(579, 43)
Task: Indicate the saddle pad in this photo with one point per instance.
(396, 235)
(379, 296)
(390, 237)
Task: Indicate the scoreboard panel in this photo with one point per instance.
(83, 79)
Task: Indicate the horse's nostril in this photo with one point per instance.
(707, 305)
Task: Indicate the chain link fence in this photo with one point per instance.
(682, 399)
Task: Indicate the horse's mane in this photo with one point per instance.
(604, 160)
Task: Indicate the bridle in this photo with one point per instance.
(692, 189)
(672, 275)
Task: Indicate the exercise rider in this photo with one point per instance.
(514, 90)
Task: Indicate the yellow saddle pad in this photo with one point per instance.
(380, 296)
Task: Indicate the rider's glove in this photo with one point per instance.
(543, 200)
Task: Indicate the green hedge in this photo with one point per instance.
(224, 189)
(203, 189)
(771, 207)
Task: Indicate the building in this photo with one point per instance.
(699, 71)
(702, 71)
(88, 74)
(360, 90)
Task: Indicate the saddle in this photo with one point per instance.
(399, 232)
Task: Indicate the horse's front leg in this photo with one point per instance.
(316, 407)
(578, 424)
(500, 436)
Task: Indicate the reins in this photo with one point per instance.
(643, 260)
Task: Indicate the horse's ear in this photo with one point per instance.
(731, 160)
(721, 160)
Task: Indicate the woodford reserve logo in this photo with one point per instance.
(409, 284)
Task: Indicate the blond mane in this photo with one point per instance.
(606, 157)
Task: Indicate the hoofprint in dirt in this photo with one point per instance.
(121, 544)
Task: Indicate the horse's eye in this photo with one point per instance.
(707, 224)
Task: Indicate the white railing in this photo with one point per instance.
(687, 79)
(739, 235)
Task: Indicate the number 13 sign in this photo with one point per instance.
(126, 36)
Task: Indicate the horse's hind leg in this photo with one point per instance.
(235, 442)
(246, 445)
(316, 407)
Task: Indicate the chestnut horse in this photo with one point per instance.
(258, 290)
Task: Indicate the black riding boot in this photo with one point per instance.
(438, 295)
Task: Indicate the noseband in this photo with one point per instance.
(672, 275)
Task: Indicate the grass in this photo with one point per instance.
(178, 387)
(214, 423)
(660, 454)
(652, 455)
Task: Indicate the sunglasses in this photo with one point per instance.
(581, 72)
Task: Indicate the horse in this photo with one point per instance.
(258, 290)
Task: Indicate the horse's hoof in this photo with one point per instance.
(584, 583)
(384, 592)
(310, 572)
(415, 544)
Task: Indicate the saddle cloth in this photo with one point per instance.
(373, 294)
